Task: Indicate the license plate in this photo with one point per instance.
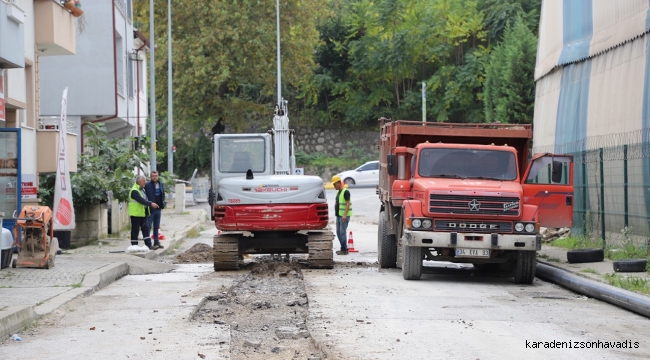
(474, 253)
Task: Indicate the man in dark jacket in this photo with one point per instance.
(138, 211)
(156, 193)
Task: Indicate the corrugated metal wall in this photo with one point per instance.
(593, 100)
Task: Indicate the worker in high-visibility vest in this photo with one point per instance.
(139, 210)
(343, 212)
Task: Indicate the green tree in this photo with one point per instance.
(224, 55)
(389, 48)
(192, 152)
(509, 85)
(499, 12)
(344, 63)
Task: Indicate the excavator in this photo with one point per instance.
(259, 203)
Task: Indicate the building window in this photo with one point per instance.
(120, 65)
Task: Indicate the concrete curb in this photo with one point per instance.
(14, 319)
(17, 318)
(622, 298)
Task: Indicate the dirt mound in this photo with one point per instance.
(199, 253)
(274, 268)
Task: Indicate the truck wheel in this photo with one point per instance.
(387, 245)
(412, 267)
(525, 267)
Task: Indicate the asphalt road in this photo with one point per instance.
(356, 311)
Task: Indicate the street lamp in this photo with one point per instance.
(170, 126)
(152, 90)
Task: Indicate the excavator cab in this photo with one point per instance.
(233, 155)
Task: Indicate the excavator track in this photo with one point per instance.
(320, 249)
(226, 252)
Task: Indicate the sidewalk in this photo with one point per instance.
(556, 257)
(593, 279)
(26, 294)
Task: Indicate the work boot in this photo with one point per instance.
(342, 252)
(158, 246)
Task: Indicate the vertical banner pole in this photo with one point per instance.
(63, 206)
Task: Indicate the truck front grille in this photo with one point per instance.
(474, 205)
(488, 227)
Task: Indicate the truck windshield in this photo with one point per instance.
(468, 164)
(238, 154)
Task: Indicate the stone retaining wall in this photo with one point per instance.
(334, 142)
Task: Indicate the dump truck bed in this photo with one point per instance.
(411, 133)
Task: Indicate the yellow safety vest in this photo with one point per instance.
(341, 208)
(135, 208)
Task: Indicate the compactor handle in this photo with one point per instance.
(33, 216)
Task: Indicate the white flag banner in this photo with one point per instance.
(63, 208)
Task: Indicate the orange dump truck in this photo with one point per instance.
(467, 193)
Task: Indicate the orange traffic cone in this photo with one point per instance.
(161, 236)
(351, 244)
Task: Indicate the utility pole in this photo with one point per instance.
(152, 90)
(424, 101)
(277, 26)
(170, 106)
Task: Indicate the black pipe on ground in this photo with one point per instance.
(622, 298)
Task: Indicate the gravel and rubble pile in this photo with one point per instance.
(265, 312)
(197, 254)
(550, 234)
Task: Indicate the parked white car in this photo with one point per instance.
(366, 174)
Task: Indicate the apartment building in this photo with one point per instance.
(29, 30)
(106, 77)
(99, 56)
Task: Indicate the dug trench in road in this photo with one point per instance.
(265, 312)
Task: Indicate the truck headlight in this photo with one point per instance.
(519, 227)
(426, 223)
(416, 223)
(530, 228)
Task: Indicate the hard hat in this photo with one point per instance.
(335, 179)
